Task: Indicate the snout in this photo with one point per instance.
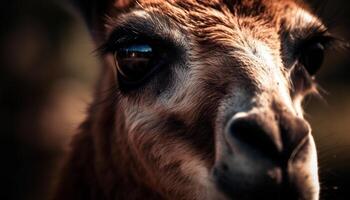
(267, 156)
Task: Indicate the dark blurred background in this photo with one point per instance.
(48, 71)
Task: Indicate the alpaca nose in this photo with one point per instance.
(260, 155)
(272, 137)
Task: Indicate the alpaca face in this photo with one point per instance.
(208, 95)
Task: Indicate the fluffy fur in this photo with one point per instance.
(163, 139)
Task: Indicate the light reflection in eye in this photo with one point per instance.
(142, 48)
(133, 61)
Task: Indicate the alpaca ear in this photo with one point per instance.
(94, 11)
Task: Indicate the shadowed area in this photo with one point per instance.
(48, 70)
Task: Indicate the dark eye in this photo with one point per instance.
(135, 62)
(312, 56)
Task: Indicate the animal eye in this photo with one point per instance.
(312, 57)
(135, 62)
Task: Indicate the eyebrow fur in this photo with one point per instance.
(154, 28)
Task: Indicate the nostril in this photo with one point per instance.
(258, 136)
(224, 167)
(293, 134)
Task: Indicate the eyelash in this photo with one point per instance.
(317, 33)
(125, 37)
(112, 44)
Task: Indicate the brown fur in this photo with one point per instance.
(161, 141)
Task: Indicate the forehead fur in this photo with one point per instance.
(224, 20)
(191, 10)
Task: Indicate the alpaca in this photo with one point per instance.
(198, 99)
